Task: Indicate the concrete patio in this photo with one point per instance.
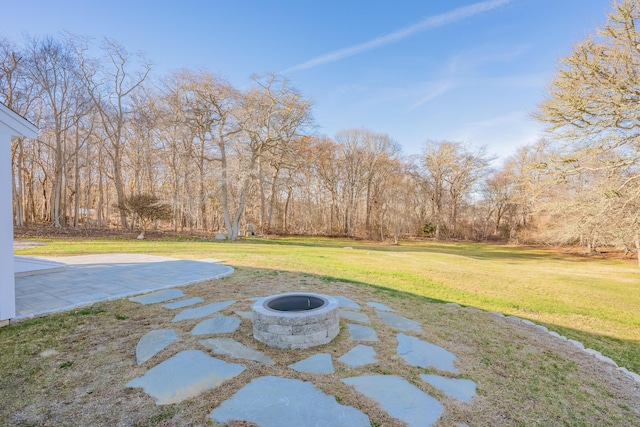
(91, 278)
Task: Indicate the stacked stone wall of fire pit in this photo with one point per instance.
(295, 321)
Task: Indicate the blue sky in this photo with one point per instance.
(460, 70)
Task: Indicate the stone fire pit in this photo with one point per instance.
(295, 320)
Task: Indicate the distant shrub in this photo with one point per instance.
(147, 209)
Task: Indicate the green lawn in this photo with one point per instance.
(595, 301)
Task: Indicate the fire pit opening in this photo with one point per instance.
(295, 320)
(296, 303)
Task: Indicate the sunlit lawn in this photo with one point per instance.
(596, 301)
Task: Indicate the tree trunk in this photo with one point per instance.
(203, 202)
(56, 195)
(225, 190)
(118, 181)
(100, 206)
(272, 201)
(263, 202)
(286, 209)
(235, 226)
(333, 207)
(18, 184)
(76, 205)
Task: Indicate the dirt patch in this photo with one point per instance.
(71, 368)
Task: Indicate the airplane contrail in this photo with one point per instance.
(429, 22)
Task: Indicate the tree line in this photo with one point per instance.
(220, 157)
(225, 160)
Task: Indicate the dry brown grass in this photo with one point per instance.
(70, 369)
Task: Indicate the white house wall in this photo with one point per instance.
(11, 124)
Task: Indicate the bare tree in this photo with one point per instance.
(111, 85)
(53, 71)
(272, 113)
(18, 94)
(327, 168)
(592, 110)
(450, 172)
(437, 162)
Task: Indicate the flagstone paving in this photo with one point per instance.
(280, 402)
(379, 306)
(232, 348)
(360, 355)
(460, 389)
(399, 322)
(276, 401)
(424, 354)
(347, 302)
(399, 398)
(354, 316)
(202, 311)
(318, 364)
(154, 342)
(183, 303)
(185, 375)
(268, 400)
(218, 325)
(362, 333)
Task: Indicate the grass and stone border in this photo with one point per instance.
(70, 368)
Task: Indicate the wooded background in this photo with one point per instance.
(223, 159)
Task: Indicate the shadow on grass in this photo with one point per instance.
(480, 251)
(508, 381)
(626, 353)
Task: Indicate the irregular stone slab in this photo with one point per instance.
(399, 322)
(183, 303)
(601, 357)
(185, 375)
(630, 374)
(424, 354)
(232, 348)
(158, 296)
(245, 314)
(362, 333)
(153, 342)
(360, 355)
(218, 325)
(399, 398)
(460, 389)
(557, 335)
(577, 344)
(205, 310)
(354, 315)
(318, 364)
(379, 306)
(280, 402)
(347, 303)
